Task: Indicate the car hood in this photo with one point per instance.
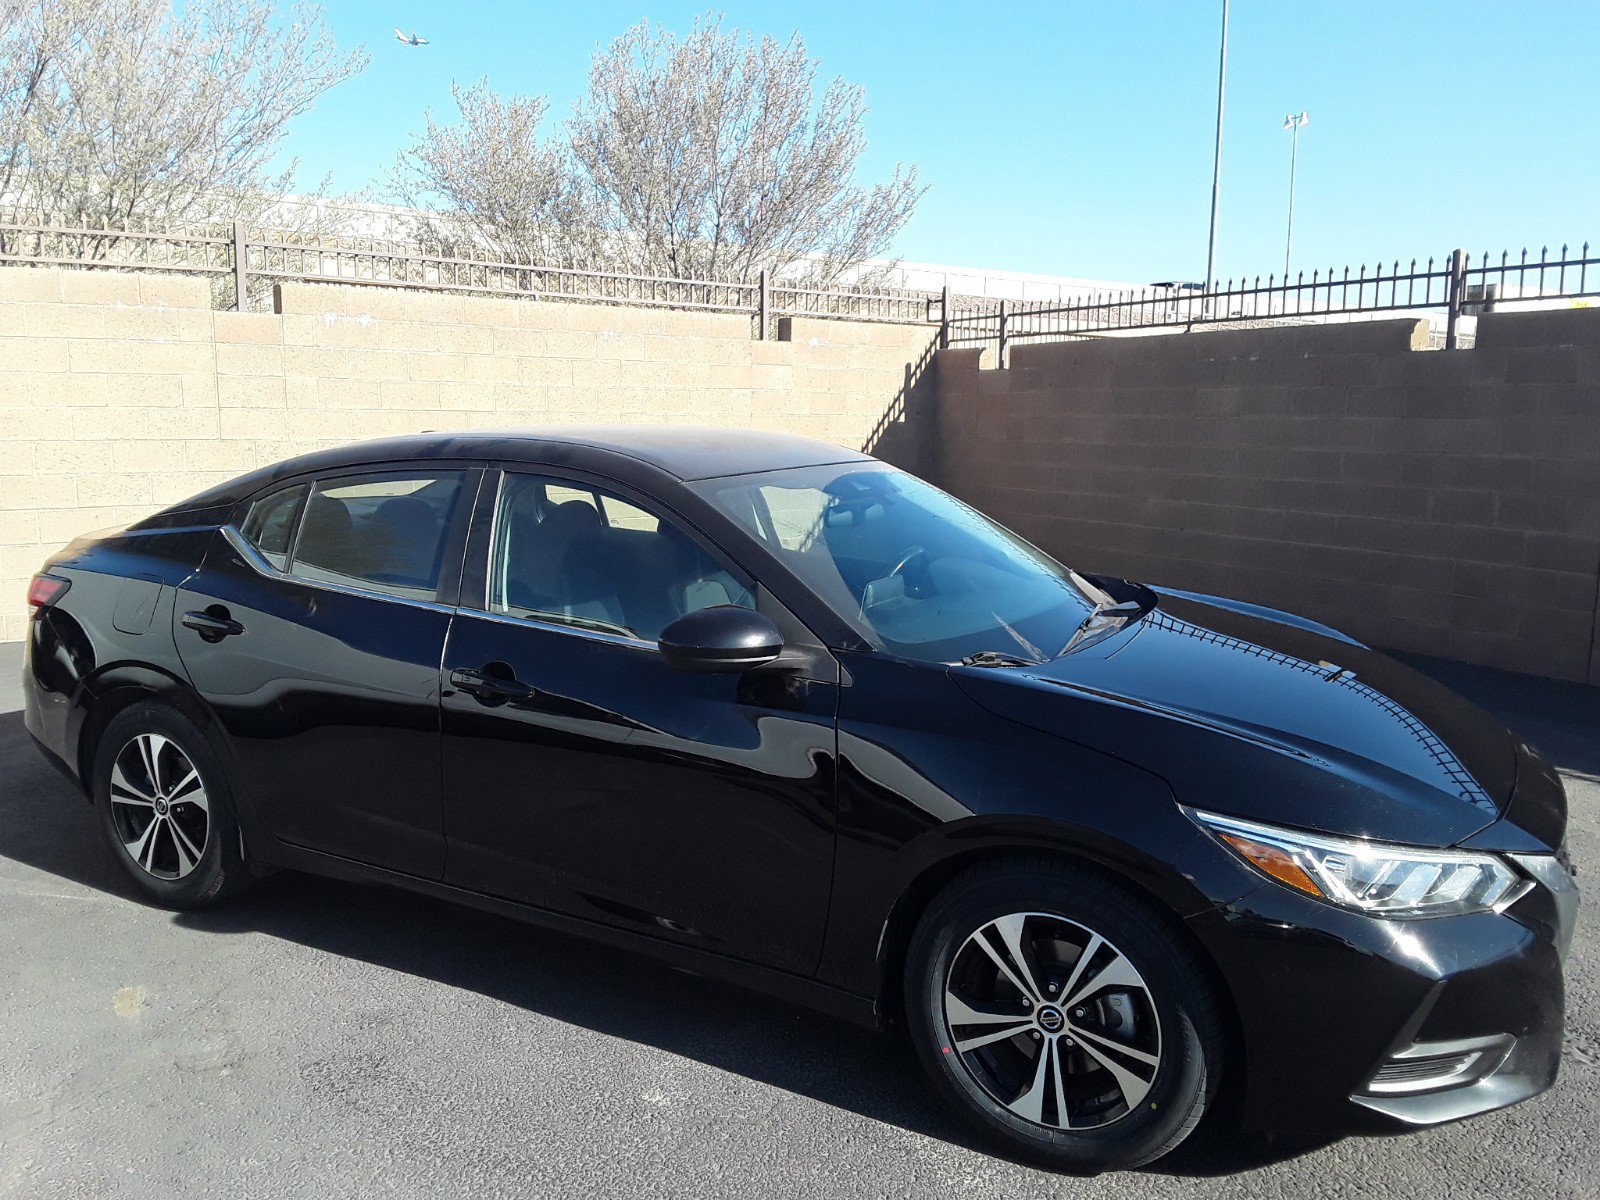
(1260, 714)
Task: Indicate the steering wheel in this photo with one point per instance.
(910, 556)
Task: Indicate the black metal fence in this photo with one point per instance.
(1453, 287)
(244, 263)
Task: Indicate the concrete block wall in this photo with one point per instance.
(1446, 503)
(124, 392)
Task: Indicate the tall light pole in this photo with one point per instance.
(1216, 162)
(1293, 123)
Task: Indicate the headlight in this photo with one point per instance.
(1370, 877)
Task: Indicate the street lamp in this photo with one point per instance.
(1293, 123)
(1216, 162)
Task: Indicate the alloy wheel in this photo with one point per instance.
(159, 807)
(1052, 1021)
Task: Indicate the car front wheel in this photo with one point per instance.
(1063, 1015)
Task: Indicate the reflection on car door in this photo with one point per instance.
(314, 631)
(585, 775)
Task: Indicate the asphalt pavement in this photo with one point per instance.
(319, 1040)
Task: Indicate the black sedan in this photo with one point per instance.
(1114, 856)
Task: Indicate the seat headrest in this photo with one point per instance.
(404, 512)
(327, 512)
(325, 529)
(574, 517)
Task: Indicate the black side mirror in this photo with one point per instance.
(725, 638)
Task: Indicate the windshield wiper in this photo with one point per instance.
(996, 658)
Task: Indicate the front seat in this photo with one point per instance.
(562, 567)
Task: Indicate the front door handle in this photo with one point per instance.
(213, 625)
(491, 688)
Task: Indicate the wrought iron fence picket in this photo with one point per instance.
(1455, 286)
(252, 259)
(242, 261)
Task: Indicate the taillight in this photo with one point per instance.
(45, 590)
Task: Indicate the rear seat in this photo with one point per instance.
(404, 532)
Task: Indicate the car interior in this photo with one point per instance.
(595, 559)
(390, 533)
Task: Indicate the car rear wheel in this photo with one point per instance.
(166, 808)
(1063, 1015)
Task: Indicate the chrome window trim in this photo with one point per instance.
(261, 566)
(598, 635)
(494, 540)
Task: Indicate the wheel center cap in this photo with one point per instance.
(161, 807)
(1050, 1019)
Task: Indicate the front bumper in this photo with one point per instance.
(1353, 1023)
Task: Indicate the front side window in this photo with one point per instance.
(577, 555)
(911, 568)
(269, 523)
(381, 533)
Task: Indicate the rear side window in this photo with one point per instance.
(382, 533)
(269, 524)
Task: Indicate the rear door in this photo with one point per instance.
(585, 775)
(314, 630)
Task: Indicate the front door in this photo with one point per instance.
(585, 775)
(314, 631)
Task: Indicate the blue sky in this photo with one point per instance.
(1076, 138)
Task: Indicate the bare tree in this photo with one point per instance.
(32, 36)
(714, 157)
(707, 158)
(492, 181)
(113, 111)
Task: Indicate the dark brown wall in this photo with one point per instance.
(1441, 502)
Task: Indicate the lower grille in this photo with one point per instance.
(1431, 1066)
(1397, 1073)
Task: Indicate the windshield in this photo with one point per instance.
(912, 569)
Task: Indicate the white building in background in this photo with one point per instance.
(390, 222)
(386, 222)
(1001, 285)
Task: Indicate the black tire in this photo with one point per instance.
(1171, 1015)
(200, 816)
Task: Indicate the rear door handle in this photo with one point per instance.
(491, 689)
(213, 626)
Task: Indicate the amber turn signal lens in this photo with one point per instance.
(1274, 862)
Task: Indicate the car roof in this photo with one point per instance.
(687, 451)
(684, 452)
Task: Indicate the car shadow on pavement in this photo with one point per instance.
(47, 826)
(630, 996)
(45, 823)
(596, 987)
